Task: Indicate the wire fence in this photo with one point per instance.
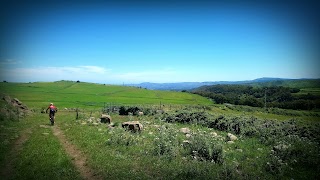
(129, 109)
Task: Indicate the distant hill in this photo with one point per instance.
(265, 81)
(287, 94)
(292, 83)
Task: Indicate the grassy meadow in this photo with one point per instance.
(271, 144)
(72, 95)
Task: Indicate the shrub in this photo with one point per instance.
(123, 111)
(292, 150)
(201, 118)
(204, 149)
(134, 110)
(118, 136)
(166, 143)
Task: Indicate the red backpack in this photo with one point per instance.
(52, 109)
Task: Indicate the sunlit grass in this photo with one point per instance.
(158, 152)
(88, 95)
(41, 156)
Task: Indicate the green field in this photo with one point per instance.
(271, 143)
(71, 94)
(313, 91)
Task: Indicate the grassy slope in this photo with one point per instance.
(71, 94)
(300, 83)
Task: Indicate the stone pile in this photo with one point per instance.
(14, 108)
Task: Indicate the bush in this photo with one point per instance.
(134, 110)
(166, 143)
(118, 136)
(204, 149)
(297, 150)
(201, 118)
(123, 111)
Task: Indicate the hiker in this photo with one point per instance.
(53, 110)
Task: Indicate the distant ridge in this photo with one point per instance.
(264, 81)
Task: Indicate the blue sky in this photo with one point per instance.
(161, 42)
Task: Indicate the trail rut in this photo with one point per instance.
(8, 170)
(78, 158)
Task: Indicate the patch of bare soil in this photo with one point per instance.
(78, 158)
(8, 170)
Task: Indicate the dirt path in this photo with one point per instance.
(8, 170)
(78, 158)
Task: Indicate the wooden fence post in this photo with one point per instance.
(77, 117)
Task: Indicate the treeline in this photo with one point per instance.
(275, 96)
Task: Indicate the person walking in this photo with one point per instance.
(52, 111)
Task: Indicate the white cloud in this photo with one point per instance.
(97, 74)
(89, 74)
(82, 73)
(94, 69)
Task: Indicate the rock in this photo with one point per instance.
(95, 124)
(7, 99)
(230, 142)
(105, 118)
(156, 126)
(90, 120)
(214, 134)
(17, 101)
(185, 130)
(159, 111)
(20, 107)
(44, 126)
(231, 137)
(185, 142)
(113, 125)
(134, 126)
(188, 135)
(240, 150)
